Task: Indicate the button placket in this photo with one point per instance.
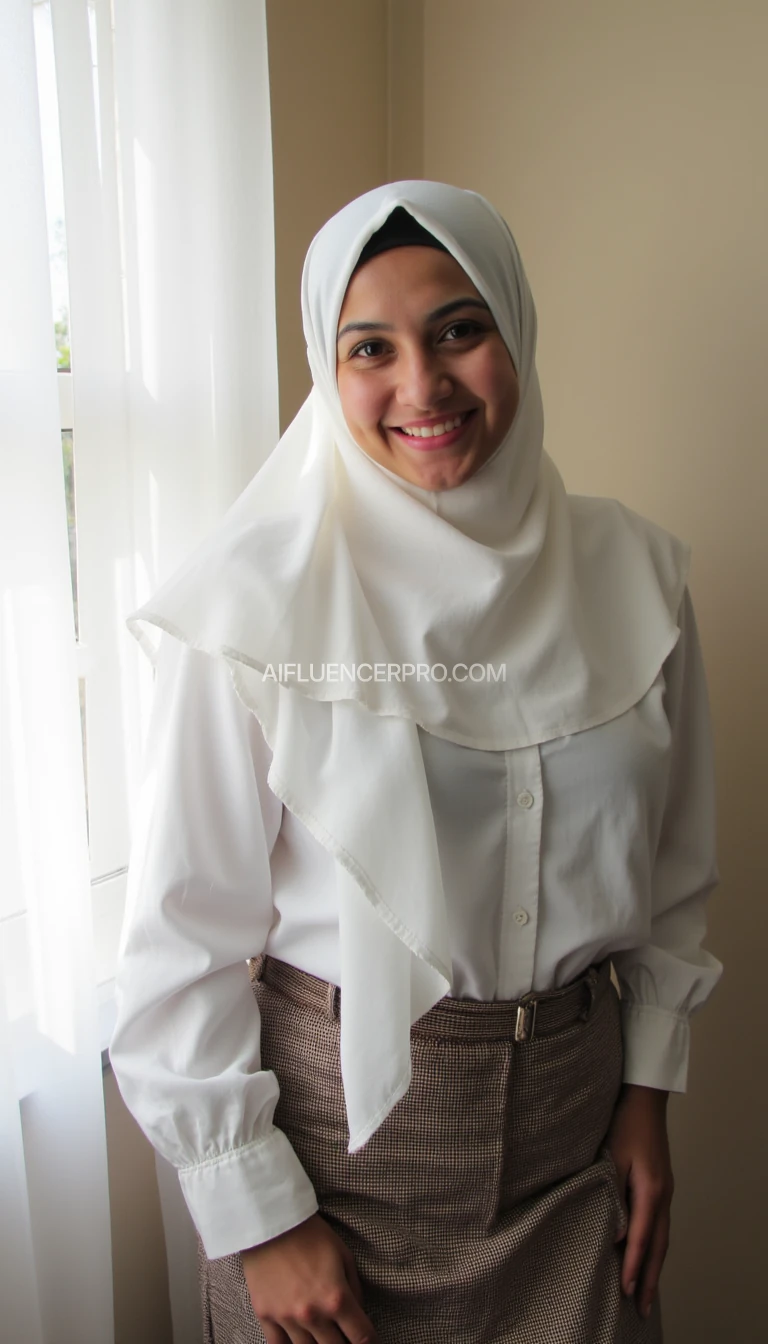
(521, 881)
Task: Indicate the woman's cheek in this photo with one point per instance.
(360, 401)
(503, 389)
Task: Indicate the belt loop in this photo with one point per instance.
(256, 967)
(591, 980)
(332, 1001)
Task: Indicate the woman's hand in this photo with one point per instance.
(637, 1140)
(304, 1287)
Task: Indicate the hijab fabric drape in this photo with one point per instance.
(328, 559)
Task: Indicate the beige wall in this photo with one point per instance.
(405, 90)
(328, 91)
(346, 89)
(626, 146)
(142, 1307)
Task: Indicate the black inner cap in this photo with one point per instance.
(399, 230)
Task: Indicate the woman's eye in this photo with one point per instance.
(458, 331)
(368, 349)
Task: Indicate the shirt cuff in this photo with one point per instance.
(248, 1195)
(656, 1045)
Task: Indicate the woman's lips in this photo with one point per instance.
(428, 443)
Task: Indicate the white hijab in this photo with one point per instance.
(327, 558)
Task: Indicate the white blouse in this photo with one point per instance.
(553, 857)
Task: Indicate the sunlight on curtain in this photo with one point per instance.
(55, 1271)
(158, 176)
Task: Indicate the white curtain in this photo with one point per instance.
(55, 1272)
(167, 186)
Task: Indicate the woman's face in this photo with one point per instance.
(418, 350)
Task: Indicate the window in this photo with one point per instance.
(97, 501)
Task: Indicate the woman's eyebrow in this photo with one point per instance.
(453, 305)
(365, 326)
(434, 316)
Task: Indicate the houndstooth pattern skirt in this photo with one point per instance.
(485, 1209)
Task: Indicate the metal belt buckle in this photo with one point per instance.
(526, 1021)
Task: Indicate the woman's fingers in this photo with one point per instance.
(326, 1334)
(304, 1287)
(654, 1260)
(274, 1334)
(638, 1143)
(356, 1326)
(349, 1325)
(643, 1206)
(647, 1240)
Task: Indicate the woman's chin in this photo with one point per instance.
(433, 468)
(439, 472)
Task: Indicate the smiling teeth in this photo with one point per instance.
(432, 431)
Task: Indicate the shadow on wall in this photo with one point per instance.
(142, 1306)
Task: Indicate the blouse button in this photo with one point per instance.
(525, 799)
(520, 917)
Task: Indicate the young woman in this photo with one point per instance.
(431, 748)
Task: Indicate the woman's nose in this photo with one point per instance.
(423, 380)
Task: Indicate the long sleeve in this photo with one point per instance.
(186, 1046)
(669, 978)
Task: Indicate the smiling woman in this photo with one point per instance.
(432, 390)
(429, 1118)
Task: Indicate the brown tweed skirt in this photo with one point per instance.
(485, 1208)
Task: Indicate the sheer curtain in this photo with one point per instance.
(167, 196)
(55, 1273)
